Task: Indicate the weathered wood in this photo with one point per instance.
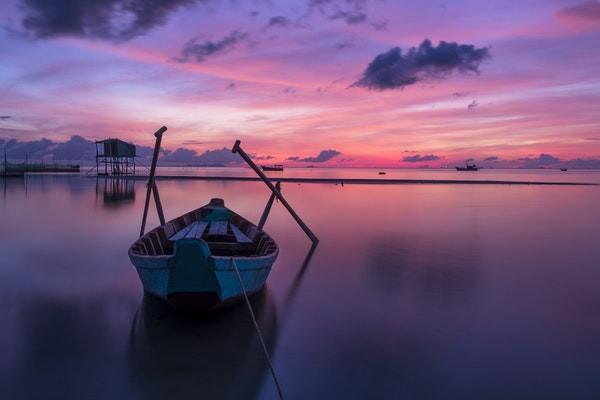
(239, 235)
(158, 134)
(246, 157)
(265, 214)
(181, 234)
(218, 228)
(197, 230)
(159, 209)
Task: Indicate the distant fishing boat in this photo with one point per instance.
(209, 256)
(563, 169)
(468, 167)
(381, 173)
(275, 167)
(189, 261)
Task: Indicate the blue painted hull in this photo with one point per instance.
(192, 277)
(156, 277)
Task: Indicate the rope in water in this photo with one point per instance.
(257, 328)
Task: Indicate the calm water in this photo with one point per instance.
(528, 175)
(415, 291)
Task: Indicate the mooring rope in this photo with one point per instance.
(260, 337)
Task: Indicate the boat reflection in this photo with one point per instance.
(175, 355)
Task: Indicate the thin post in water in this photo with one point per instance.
(265, 214)
(158, 134)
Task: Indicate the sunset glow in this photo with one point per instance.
(282, 77)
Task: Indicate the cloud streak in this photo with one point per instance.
(351, 11)
(395, 70)
(420, 158)
(323, 156)
(197, 51)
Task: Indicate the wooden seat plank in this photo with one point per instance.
(239, 235)
(218, 228)
(197, 230)
(181, 234)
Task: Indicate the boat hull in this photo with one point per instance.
(193, 277)
(200, 293)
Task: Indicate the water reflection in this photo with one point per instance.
(116, 191)
(174, 354)
(441, 265)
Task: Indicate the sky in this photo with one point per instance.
(329, 82)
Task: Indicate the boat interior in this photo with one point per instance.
(227, 235)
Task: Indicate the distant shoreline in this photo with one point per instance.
(357, 181)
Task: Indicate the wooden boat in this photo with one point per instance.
(468, 167)
(563, 169)
(209, 256)
(275, 167)
(189, 261)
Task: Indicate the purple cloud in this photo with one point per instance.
(395, 70)
(324, 155)
(198, 51)
(117, 20)
(420, 158)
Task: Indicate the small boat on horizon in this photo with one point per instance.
(274, 167)
(563, 169)
(382, 173)
(468, 167)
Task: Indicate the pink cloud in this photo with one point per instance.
(582, 16)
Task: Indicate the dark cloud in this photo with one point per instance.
(81, 150)
(472, 104)
(491, 158)
(217, 157)
(231, 86)
(381, 25)
(593, 138)
(117, 20)
(278, 22)
(586, 11)
(5, 117)
(197, 51)
(351, 17)
(75, 149)
(344, 44)
(420, 158)
(351, 11)
(324, 155)
(543, 160)
(393, 70)
(588, 163)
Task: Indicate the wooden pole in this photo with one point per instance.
(159, 209)
(265, 213)
(158, 134)
(246, 157)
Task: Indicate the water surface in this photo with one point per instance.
(415, 291)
